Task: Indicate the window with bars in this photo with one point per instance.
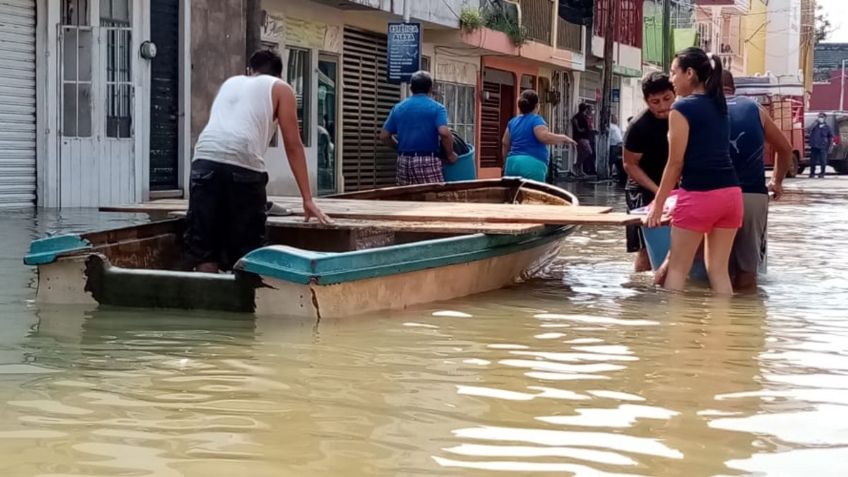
(115, 22)
(460, 101)
(298, 75)
(77, 39)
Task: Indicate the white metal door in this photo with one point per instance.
(96, 90)
(17, 103)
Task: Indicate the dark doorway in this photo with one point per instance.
(164, 94)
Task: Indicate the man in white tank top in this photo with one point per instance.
(226, 213)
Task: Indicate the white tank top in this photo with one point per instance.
(241, 123)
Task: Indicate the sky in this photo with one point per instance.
(834, 9)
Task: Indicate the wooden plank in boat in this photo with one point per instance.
(409, 211)
(296, 221)
(408, 226)
(464, 212)
(402, 210)
(452, 210)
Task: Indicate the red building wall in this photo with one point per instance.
(825, 96)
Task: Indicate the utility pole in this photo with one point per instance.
(407, 15)
(666, 35)
(253, 27)
(602, 146)
(842, 88)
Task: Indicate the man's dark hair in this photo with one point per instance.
(582, 108)
(528, 101)
(421, 83)
(656, 83)
(728, 82)
(266, 62)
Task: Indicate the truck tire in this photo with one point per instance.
(795, 168)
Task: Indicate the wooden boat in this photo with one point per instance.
(350, 267)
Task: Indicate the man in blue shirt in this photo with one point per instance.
(750, 129)
(821, 140)
(421, 126)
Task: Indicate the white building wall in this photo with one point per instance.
(440, 12)
(783, 37)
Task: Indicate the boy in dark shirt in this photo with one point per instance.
(581, 131)
(645, 156)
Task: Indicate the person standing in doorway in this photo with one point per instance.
(526, 140)
(709, 202)
(421, 126)
(821, 141)
(645, 156)
(750, 128)
(581, 131)
(226, 212)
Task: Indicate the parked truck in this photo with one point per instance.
(783, 98)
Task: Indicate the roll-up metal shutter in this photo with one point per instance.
(17, 103)
(367, 99)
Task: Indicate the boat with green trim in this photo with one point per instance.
(347, 268)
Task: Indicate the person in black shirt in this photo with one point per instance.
(581, 131)
(645, 156)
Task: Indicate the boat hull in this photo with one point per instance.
(333, 270)
(89, 279)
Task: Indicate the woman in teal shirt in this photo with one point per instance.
(526, 141)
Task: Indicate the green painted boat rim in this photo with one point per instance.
(48, 249)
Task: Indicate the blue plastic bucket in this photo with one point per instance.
(464, 169)
(658, 241)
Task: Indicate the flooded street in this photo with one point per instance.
(587, 370)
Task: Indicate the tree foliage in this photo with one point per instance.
(823, 27)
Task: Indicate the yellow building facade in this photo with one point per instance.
(754, 37)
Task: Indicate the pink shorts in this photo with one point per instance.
(703, 211)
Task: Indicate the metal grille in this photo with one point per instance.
(17, 103)
(536, 19)
(562, 157)
(367, 100)
(569, 36)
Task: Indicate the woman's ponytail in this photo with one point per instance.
(714, 84)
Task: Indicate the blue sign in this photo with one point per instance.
(616, 95)
(404, 51)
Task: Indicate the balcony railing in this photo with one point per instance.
(739, 7)
(569, 36)
(732, 62)
(536, 18)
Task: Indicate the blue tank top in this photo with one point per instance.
(706, 163)
(747, 140)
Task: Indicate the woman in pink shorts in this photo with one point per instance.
(709, 202)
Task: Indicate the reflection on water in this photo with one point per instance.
(585, 371)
